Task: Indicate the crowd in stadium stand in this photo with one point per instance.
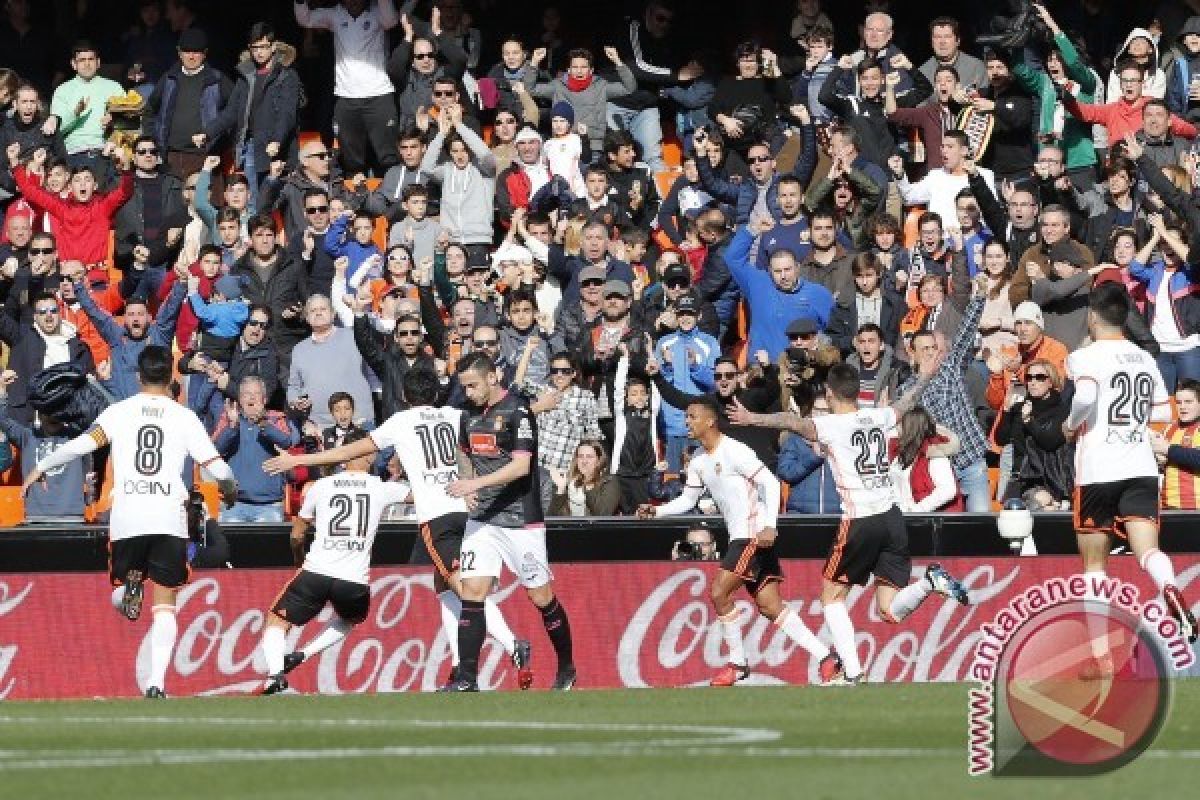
(623, 222)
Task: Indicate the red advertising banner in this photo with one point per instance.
(634, 625)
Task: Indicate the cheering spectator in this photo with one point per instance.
(1007, 366)
(764, 181)
(83, 219)
(1063, 294)
(349, 238)
(635, 437)
(392, 363)
(940, 187)
(778, 297)
(687, 357)
(186, 103)
(28, 126)
(81, 106)
(467, 179)
(587, 489)
(149, 227)
(1141, 49)
(247, 435)
(1110, 205)
(316, 171)
(1178, 450)
(388, 199)
(880, 370)
(129, 340)
(253, 356)
(275, 280)
(45, 342)
(862, 109)
(1034, 264)
(421, 60)
(871, 303)
(1124, 115)
(946, 42)
(586, 93)
(61, 498)
(997, 323)
(262, 109)
(925, 477)
(1032, 422)
(566, 415)
(365, 107)
(1172, 307)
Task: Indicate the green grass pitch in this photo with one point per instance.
(884, 742)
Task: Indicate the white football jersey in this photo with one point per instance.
(1114, 441)
(856, 445)
(346, 509)
(426, 442)
(729, 473)
(151, 436)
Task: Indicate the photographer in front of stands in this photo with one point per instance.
(697, 544)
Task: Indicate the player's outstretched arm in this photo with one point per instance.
(784, 420)
(78, 447)
(324, 458)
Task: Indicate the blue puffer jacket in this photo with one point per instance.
(743, 196)
(813, 490)
(1184, 289)
(686, 376)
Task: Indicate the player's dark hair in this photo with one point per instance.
(154, 366)
(477, 362)
(708, 404)
(842, 380)
(421, 387)
(338, 397)
(1110, 302)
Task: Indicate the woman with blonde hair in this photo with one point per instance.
(1043, 472)
(586, 489)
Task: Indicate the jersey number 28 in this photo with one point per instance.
(1132, 403)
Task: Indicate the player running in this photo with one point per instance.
(748, 496)
(1118, 391)
(152, 437)
(872, 538)
(499, 481)
(425, 439)
(344, 510)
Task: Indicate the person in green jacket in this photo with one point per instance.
(1064, 67)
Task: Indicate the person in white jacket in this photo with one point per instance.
(939, 188)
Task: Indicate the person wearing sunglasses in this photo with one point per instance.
(1043, 473)
(317, 170)
(146, 233)
(44, 342)
(426, 53)
(1007, 367)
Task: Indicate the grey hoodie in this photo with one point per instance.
(591, 104)
(468, 194)
(424, 236)
(890, 375)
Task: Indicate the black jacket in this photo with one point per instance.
(996, 218)
(283, 288)
(129, 225)
(274, 119)
(1011, 147)
(1042, 457)
(843, 322)
(26, 359)
(387, 362)
(259, 361)
(654, 62)
(866, 117)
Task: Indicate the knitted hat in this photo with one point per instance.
(563, 109)
(230, 287)
(1029, 311)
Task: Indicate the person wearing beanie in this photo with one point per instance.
(1007, 369)
(567, 150)
(221, 319)
(587, 93)
(525, 176)
(186, 103)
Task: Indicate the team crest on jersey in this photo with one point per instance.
(717, 468)
(484, 444)
(498, 424)
(523, 430)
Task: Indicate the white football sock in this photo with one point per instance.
(274, 641)
(909, 599)
(118, 594)
(334, 632)
(794, 628)
(1159, 566)
(497, 626)
(842, 631)
(732, 632)
(451, 608)
(163, 631)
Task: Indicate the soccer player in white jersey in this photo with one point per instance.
(425, 439)
(1118, 392)
(872, 538)
(152, 437)
(344, 510)
(748, 496)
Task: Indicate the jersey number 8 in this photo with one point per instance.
(148, 458)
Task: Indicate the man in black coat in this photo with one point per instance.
(148, 230)
(392, 361)
(47, 341)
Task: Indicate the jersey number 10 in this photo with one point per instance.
(438, 446)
